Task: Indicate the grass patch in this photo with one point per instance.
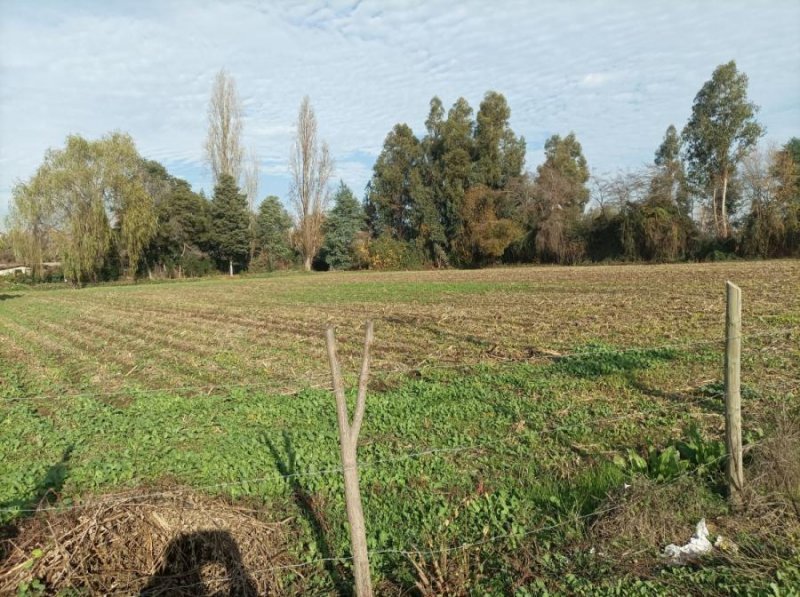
(595, 360)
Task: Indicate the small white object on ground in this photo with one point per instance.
(698, 546)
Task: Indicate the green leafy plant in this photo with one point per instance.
(33, 588)
(702, 453)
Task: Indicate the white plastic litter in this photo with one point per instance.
(698, 546)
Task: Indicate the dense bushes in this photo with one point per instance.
(389, 253)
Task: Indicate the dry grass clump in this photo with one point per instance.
(642, 519)
(766, 532)
(169, 545)
(446, 573)
(775, 469)
(757, 538)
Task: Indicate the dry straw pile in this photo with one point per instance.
(173, 544)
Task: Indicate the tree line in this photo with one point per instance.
(457, 196)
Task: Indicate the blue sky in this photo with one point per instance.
(617, 73)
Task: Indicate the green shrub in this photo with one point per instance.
(195, 265)
(387, 253)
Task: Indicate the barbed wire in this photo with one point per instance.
(461, 547)
(132, 495)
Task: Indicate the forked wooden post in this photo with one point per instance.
(348, 442)
(733, 396)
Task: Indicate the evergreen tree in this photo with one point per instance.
(720, 132)
(792, 148)
(397, 183)
(183, 229)
(564, 161)
(458, 147)
(342, 226)
(230, 223)
(670, 179)
(273, 227)
(486, 233)
(429, 220)
(500, 155)
(561, 195)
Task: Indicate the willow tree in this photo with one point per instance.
(32, 224)
(79, 199)
(311, 167)
(131, 206)
(224, 151)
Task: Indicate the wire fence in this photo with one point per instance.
(135, 497)
(413, 552)
(337, 470)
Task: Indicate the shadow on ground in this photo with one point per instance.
(287, 465)
(185, 560)
(46, 492)
(597, 361)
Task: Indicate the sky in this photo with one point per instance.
(616, 73)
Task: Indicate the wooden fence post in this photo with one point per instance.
(348, 442)
(733, 397)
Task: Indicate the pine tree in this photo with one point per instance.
(273, 226)
(344, 222)
(230, 222)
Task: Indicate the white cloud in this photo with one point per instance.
(595, 79)
(617, 74)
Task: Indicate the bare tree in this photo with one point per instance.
(224, 142)
(311, 167)
(348, 443)
(251, 173)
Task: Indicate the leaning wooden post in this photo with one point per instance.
(733, 397)
(348, 442)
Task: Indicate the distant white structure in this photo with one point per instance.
(20, 269)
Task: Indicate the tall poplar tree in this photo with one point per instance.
(311, 166)
(223, 146)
